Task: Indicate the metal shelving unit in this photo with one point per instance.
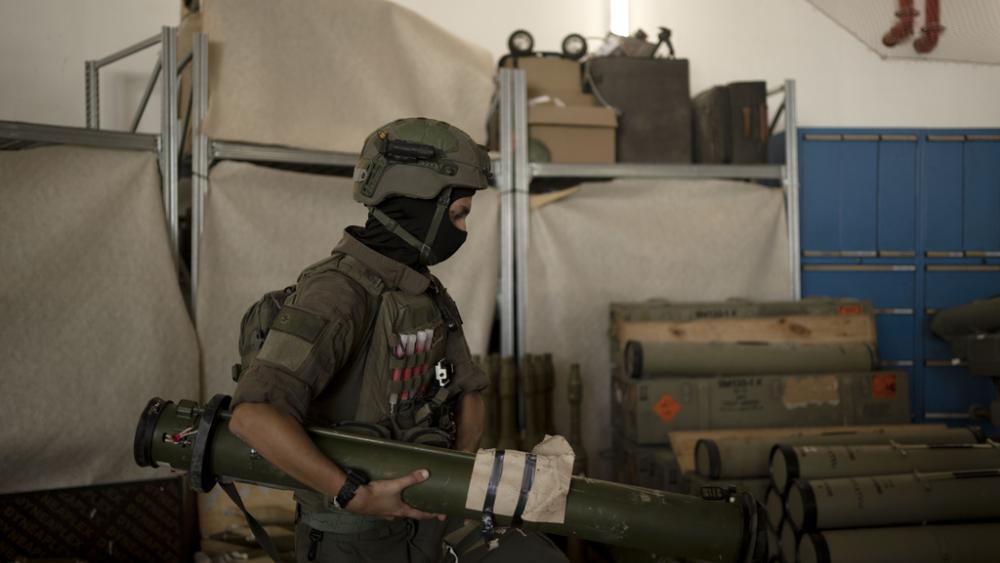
(207, 151)
(17, 135)
(525, 172)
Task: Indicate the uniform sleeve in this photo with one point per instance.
(309, 341)
(469, 377)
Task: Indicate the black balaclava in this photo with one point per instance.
(415, 216)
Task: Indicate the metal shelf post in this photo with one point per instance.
(791, 186)
(505, 185)
(200, 157)
(169, 136)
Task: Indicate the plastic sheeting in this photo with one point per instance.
(323, 75)
(264, 226)
(94, 323)
(632, 240)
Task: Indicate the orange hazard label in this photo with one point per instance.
(852, 309)
(666, 408)
(884, 386)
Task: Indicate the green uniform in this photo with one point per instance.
(345, 351)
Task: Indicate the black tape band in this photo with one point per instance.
(202, 476)
(527, 480)
(491, 492)
(792, 470)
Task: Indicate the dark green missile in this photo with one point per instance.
(904, 544)
(651, 359)
(789, 463)
(722, 526)
(530, 381)
(574, 392)
(972, 318)
(508, 436)
(884, 500)
(746, 457)
(491, 403)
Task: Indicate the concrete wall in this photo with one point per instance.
(43, 44)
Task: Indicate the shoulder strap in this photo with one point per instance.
(259, 533)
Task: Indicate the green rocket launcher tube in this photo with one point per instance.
(725, 526)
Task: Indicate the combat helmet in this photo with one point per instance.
(418, 158)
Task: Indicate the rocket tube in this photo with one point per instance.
(789, 463)
(727, 528)
(882, 500)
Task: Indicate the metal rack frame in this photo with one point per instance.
(16, 135)
(206, 152)
(166, 71)
(525, 171)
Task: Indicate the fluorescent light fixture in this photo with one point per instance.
(619, 10)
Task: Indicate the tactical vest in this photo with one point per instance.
(395, 385)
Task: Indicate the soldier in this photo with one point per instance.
(371, 342)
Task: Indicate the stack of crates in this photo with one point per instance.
(651, 399)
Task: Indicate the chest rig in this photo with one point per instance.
(397, 382)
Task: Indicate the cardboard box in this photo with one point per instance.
(577, 134)
(646, 410)
(555, 77)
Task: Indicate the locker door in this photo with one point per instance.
(897, 194)
(981, 205)
(858, 193)
(820, 222)
(942, 193)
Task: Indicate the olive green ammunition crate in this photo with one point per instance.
(814, 320)
(644, 410)
(652, 467)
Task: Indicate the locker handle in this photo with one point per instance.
(945, 138)
(856, 137)
(898, 138)
(822, 137)
(901, 311)
(859, 268)
(963, 267)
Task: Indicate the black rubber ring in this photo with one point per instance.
(753, 548)
(809, 511)
(142, 445)
(820, 546)
(714, 468)
(792, 468)
(202, 476)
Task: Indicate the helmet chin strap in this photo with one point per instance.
(423, 247)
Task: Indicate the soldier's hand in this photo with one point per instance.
(382, 498)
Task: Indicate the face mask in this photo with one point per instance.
(449, 239)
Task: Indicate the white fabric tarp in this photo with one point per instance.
(323, 75)
(94, 323)
(632, 240)
(264, 226)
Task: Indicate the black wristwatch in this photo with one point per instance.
(355, 478)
